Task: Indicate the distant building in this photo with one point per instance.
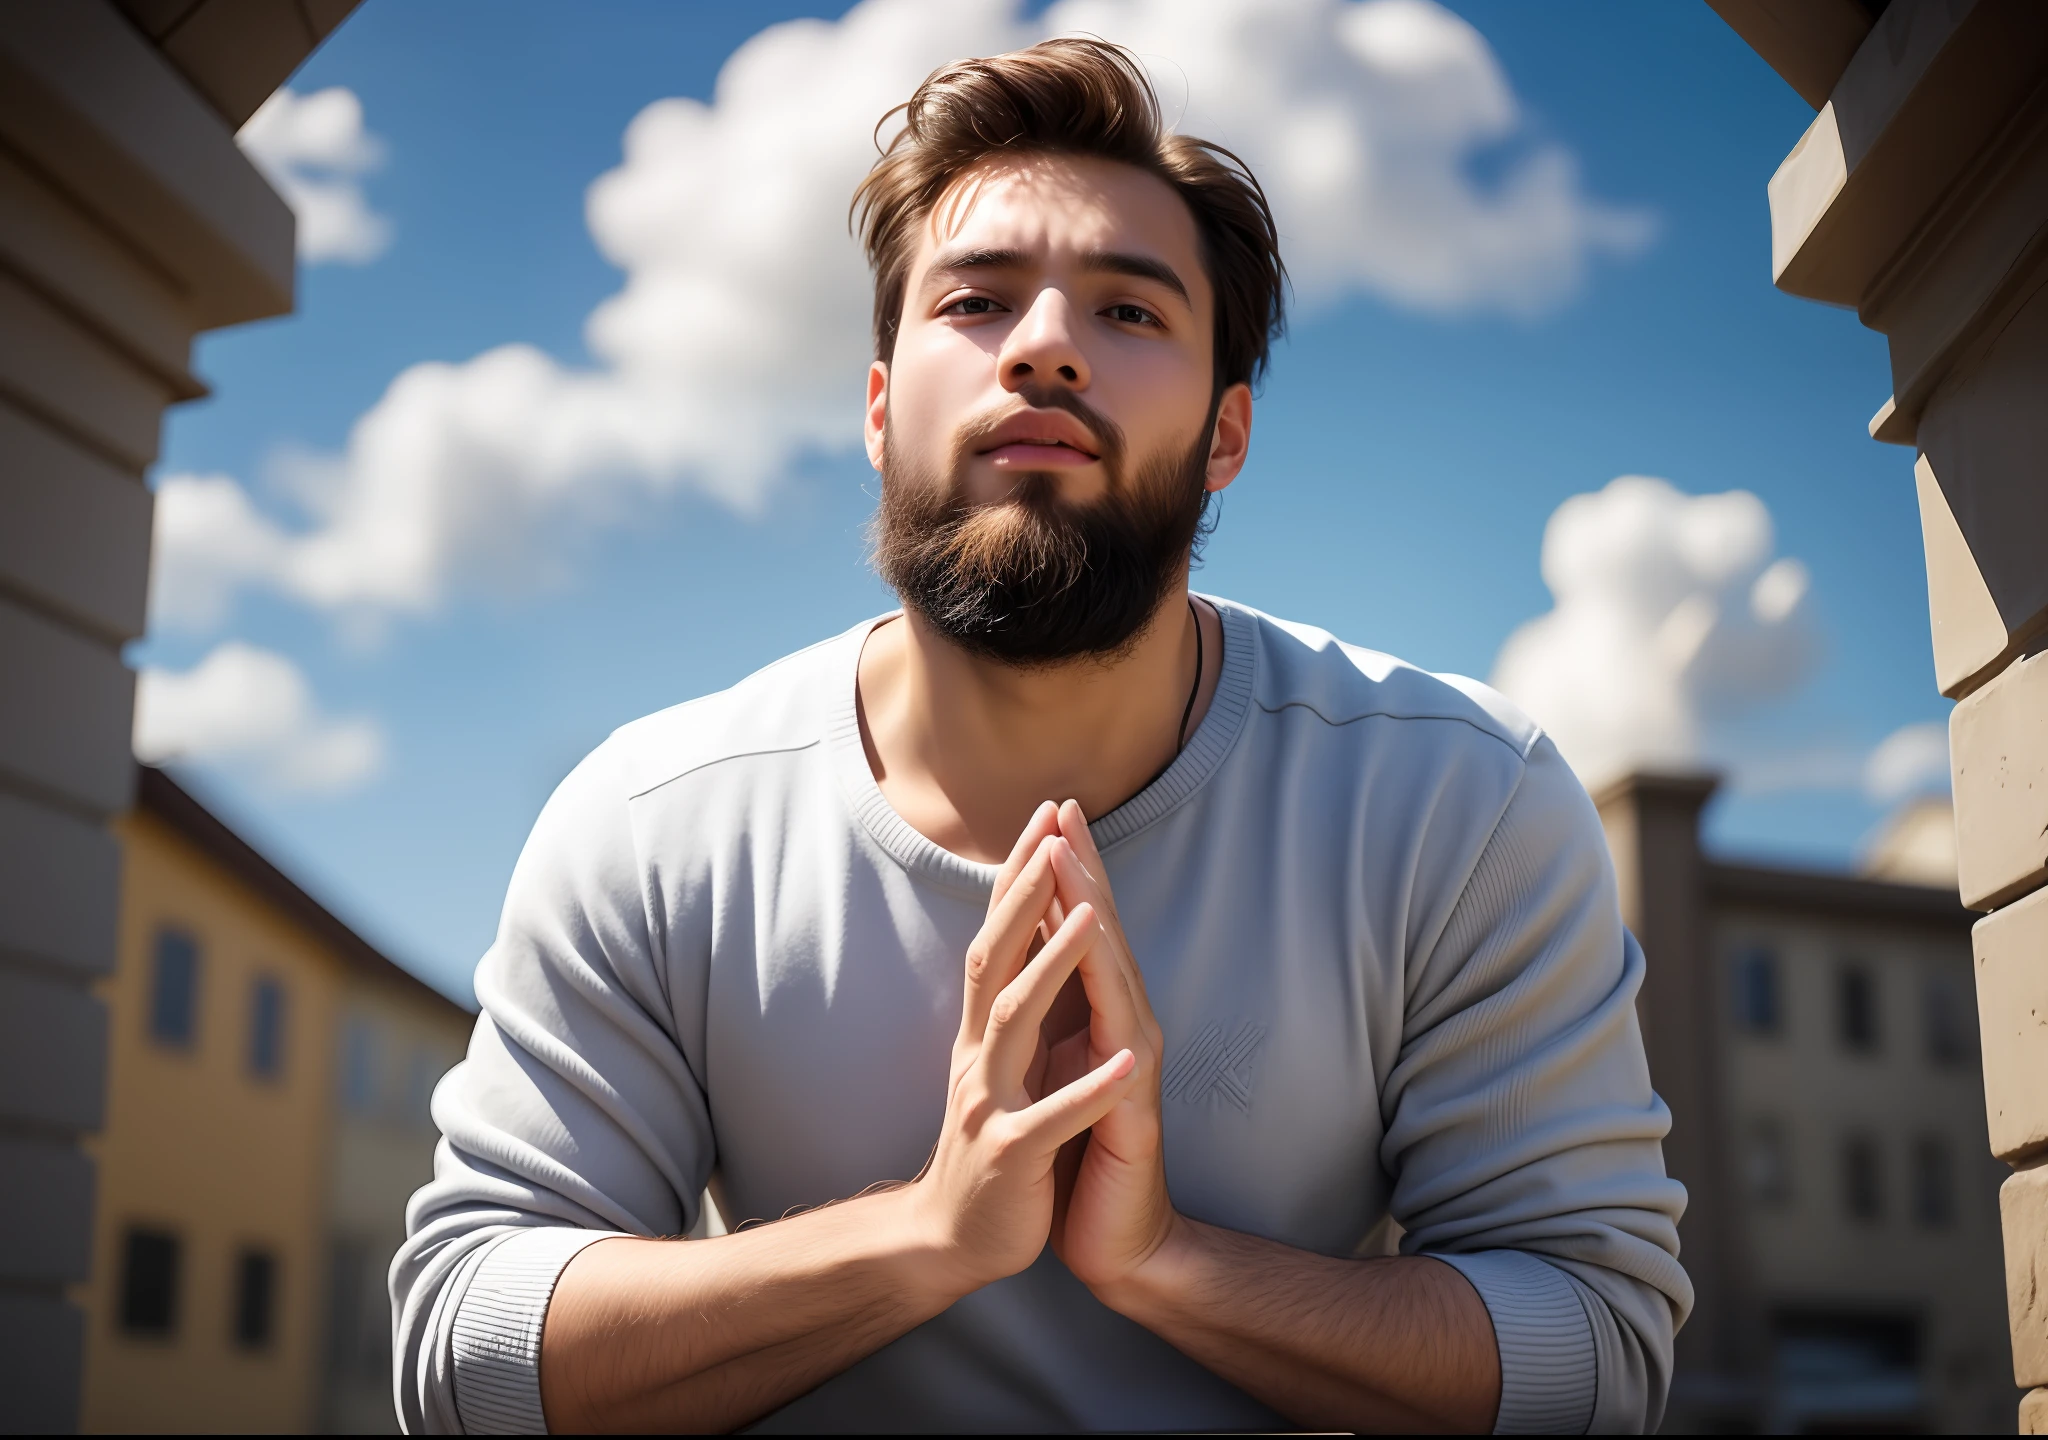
(266, 1123)
(1816, 1038)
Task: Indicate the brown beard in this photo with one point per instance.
(1030, 580)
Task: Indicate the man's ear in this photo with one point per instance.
(1231, 439)
(877, 419)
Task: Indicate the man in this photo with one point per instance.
(1097, 1114)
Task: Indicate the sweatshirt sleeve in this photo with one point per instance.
(575, 1117)
(1522, 1129)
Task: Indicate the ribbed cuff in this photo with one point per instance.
(497, 1329)
(1549, 1377)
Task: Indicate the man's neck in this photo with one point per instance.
(965, 749)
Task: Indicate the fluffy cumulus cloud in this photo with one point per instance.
(1907, 764)
(316, 151)
(737, 341)
(252, 710)
(1672, 619)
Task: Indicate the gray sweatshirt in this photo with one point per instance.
(1379, 928)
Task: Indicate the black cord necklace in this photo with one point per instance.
(1181, 741)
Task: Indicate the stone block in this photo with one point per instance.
(2023, 1211)
(63, 251)
(46, 1211)
(52, 364)
(2034, 1413)
(53, 1053)
(76, 541)
(2011, 947)
(60, 887)
(1998, 758)
(65, 712)
(1981, 440)
(84, 95)
(42, 1345)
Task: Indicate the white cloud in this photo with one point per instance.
(1671, 620)
(739, 338)
(251, 708)
(1911, 761)
(315, 150)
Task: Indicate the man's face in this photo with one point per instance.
(1044, 428)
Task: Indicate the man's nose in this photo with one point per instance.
(1042, 349)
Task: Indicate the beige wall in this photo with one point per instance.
(194, 1144)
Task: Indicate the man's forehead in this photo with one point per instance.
(1042, 207)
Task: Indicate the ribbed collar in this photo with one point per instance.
(1191, 769)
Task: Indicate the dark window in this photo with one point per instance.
(1757, 1008)
(1862, 1184)
(1847, 1374)
(149, 1283)
(1934, 1189)
(359, 1320)
(1770, 1163)
(1949, 1027)
(266, 1028)
(255, 1298)
(1856, 1008)
(359, 1064)
(174, 989)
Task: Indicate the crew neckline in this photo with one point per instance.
(1190, 770)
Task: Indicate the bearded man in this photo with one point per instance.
(1104, 1007)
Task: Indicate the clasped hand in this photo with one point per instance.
(1052, 1128)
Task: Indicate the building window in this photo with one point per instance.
(174, 989)
(359, 1059)
(255, 1298)
(1947, 1023)
(1856, 1008)
(359, 1315)
(149, 1282)
(1862, 1184)
(1934, 1190)
(266, 1028)
(1757, 1006)
(1769, 1163)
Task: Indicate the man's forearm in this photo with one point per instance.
(1370, 1345)
(708, 1335)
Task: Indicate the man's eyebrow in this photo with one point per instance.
(1140, 267)
(979, 258)
(1101, 262)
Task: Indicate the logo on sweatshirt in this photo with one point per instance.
(1215, 1066)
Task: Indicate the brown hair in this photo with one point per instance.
(1072, 97)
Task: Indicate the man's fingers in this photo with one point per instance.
(1016, 1013)
(1074, 826)
(1070, 1110)
(998, 951)
(1045, 822)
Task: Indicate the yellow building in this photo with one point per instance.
(266, 1121)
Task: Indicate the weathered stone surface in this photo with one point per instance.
(1998, 756)
(2012, 1010)
(2023, 1208)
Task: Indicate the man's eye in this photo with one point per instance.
(972, 305)
(1132, 315)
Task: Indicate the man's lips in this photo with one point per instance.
(1040, 438)
(1037, 455)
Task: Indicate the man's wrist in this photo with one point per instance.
(1165, 1279)
(931, 1261)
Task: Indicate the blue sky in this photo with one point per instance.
(1408, 448)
